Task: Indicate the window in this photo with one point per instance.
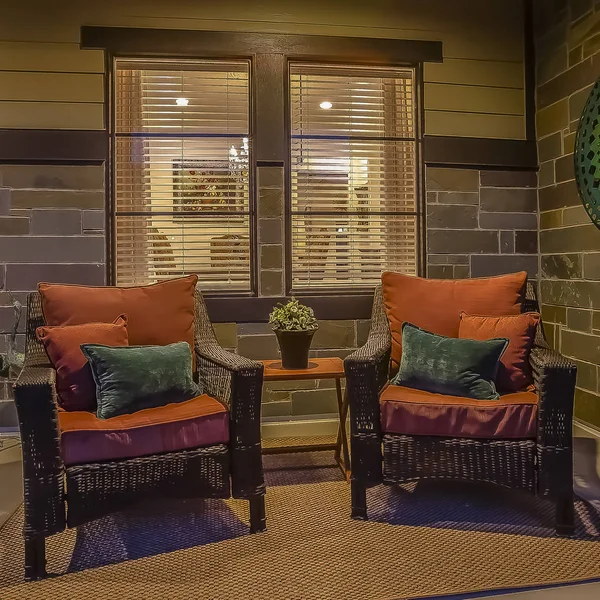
(353, 175)
(182, 185)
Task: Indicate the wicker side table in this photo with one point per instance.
(318, 368)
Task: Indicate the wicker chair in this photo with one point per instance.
(58, 496)
(542, 466)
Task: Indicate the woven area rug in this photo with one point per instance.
(422, 540)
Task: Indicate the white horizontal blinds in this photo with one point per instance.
(353, 175)
(181, 176)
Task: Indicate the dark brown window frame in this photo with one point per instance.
(269, 55)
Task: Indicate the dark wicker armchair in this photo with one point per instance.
(58, 496)
(542, 466)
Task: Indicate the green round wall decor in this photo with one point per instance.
(587, 156)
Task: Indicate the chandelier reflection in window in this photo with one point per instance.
(212, 185)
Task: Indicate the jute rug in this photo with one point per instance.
(422, 540)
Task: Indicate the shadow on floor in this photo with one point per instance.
(474, 507)
(157, 528)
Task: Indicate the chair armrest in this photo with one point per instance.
(237, 381)
(35, 400)
(367, 372)
(554, 377)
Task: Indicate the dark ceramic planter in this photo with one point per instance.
(294, 346)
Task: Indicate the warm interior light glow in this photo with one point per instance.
(182, 101)
(325, 105)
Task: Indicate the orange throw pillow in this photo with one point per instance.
(74, 381)
(157, 315)
(514, 372)
(435, 304)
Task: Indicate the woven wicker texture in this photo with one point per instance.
(425, 539)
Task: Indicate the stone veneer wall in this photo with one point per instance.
(52, 228)
(568, 63)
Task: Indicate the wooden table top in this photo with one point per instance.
(318, 368)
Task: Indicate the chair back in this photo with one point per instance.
(35, 353)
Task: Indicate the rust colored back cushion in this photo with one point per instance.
(74, 381)
(435, 304)
(157, 315)
(514, 373)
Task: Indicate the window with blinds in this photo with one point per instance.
(354, 210)
(181, 172)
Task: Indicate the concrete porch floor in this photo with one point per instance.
(587, 486)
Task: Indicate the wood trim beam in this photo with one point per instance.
(482, 153)
(223, 309)
(122, 41)
(32, 146)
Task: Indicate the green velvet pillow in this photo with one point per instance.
(450, 366)
(131, 378)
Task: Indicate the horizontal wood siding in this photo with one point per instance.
(46, 81)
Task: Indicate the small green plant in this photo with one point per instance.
(293, 316)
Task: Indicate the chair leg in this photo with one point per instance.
(35, 558)
(258, 520)
(565, 515)
(358, 493)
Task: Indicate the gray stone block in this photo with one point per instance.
(587, 375)
(565, 168)
(448, 179)
(332, 353)
(5, 203)
(582, 345)
(440, 272)
(452, 216)
(502, 220)
(458, 198)
(271, 283)
(363, 327)
(270, 202)
(582, 238)
(582, 294)
(270, 231)
(226, 334)
(49, 249)
(526, 242)
(461, 241)
(7, 320)
(270, 177)
(258, 346)
(558, 196)
(14, 225)
(55, 222)
(334, 334)
(549, 147)
(57, 199)
(591, 266)
(74, 177)
(315, 402)
(546, 174)
(277, 408)
(448, 259)
(579, 319)
(554, 314)
(254, 328)
(271, 257)
(508, 200)
(551, 219)
(509, 179)
(507, 242)
(488, 265)
(561, 266)
(461, 272)
(93, 220)
(26, 276)
(575, 215)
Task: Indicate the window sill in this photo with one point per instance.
(228, 309)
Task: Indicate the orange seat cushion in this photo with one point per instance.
(435, 304)
(157, 315)
(514, 371)
(415, 412)
(84, 438)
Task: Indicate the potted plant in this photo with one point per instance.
(294, 325)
